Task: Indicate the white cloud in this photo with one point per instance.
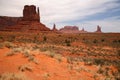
(58, 11)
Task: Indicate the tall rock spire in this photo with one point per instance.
(54, 28)
(38, 12)
(98, 29)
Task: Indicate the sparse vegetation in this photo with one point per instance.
(10, 53)
(95, 41)
(67, 42)
(81, 50)
(25, 67)
(13, 76)
(1, 45)
(44, 38)
(8, 44)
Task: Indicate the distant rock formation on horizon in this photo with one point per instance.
(69, 29)
(98, 29)
(83, 31)
(30, 22)
(75, 29)
(72, 29)
(54, 28)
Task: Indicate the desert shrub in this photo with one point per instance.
(102, 40)
(70, 60)
(35, 39)
(51, 54)
(95, 41)
(54, 55)
(35, 61)
(83, 39)
(44, 38)
(88, 63)
(67, 42)
(11, 38)
(116, 75)
(8, 44)
(30, 58)
(13, 76)
(26, 53)
(10, 53)
(118, 52)
(101, 71)
(119, 41)
(17, 49)
(58, 57)
(98, 62)
(114, 41)
(46, 75)
(1, 45)
(25, 67)
(43, 49)
(1, 37)
(35, 47)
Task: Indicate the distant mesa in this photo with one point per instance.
(75, 29)
(72, 29)
(69, 29)
(30, 22)
(30, 14)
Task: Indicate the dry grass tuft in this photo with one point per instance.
(25, 67)
(13, 76)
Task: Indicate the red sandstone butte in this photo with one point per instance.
(30, 22)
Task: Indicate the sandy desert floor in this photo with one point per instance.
(55, 56)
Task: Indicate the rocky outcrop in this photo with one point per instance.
(54, 28)
(30, 13)
(30, 22)
(83, 31)
(8, 21)
(98, 29)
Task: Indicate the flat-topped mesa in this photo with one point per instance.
(30, 13)
(69, 29)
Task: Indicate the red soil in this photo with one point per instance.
(48, 68)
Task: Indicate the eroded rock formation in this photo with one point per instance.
(83, 31)
(30, 13)
(54, 28)
(30, 22)
(98, 29)
(8, 21)
(70, 29)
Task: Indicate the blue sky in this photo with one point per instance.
(82, 13)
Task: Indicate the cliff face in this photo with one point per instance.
(30, 13)
(9, 21)
(30, 22)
